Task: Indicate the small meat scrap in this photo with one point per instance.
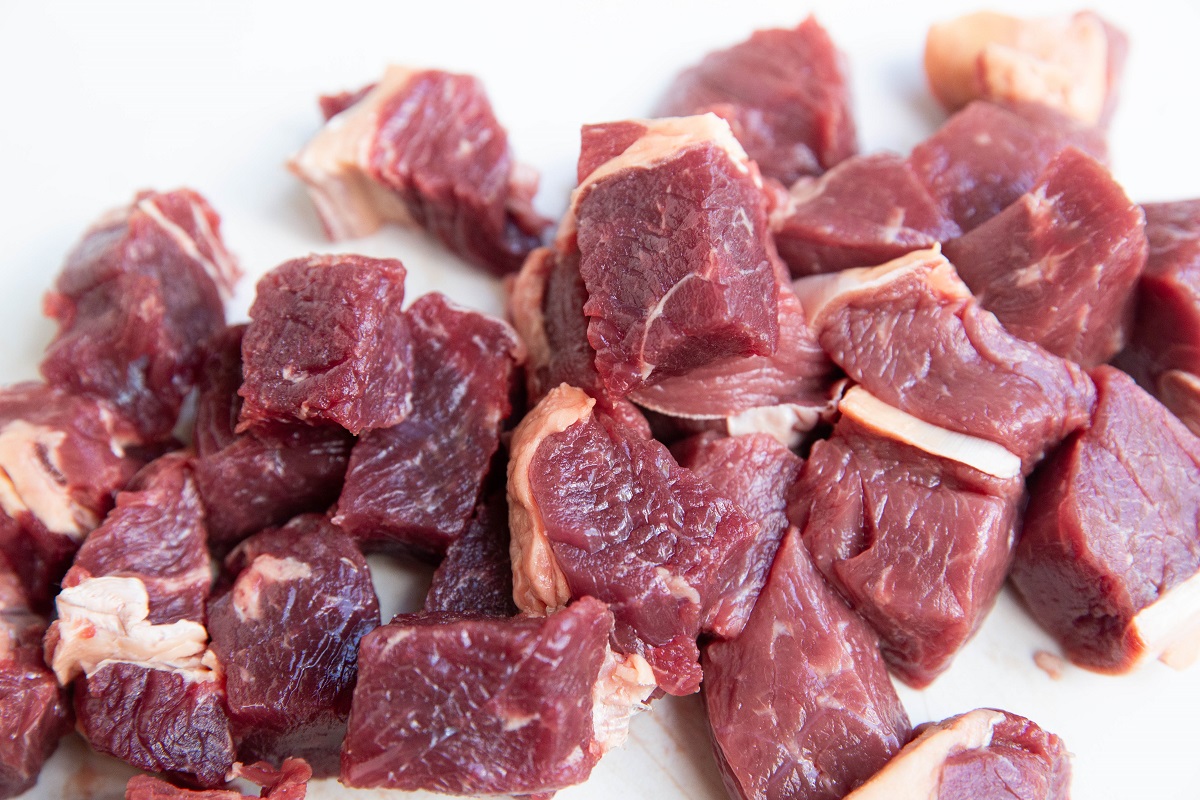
(414, 486)
(986, 156)
(1071, 63)
(1109, 560)
(597, 510)
(289, 782)
(476, 575)
(327, 344)
(423, 148)
(1058, 267)
(62, 457)
(267, 475)
(981, 755)
(913, 335)
(134, 302)
(784, 92)
(670, 224)
(809, 669)
(914, 526)
(863, 212)
(285, 630)
(473, 705)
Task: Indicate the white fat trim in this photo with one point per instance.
(786, 423)
(265, 570)
(622, 689)
(217, 270)
(1169, 628)
(26, 485)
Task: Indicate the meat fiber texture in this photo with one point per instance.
(476, 575)
(286, 631)
(327, 344)
(917, 544)
(267, 475)
(987, 155)
(597, 510)
(62, 457)
(912, 334)
(423, 148)
(1110, 551)
(670, 225)
(413, 487)
(809, 669)
(785, 94)
(981, 755)
(1058, 267)
(289, 782)
(866, 211)
(134, 302)
(472, 705)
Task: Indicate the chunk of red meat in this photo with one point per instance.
(134, 302)
(476, 575)
(1059, 265)
(328, 344)
(785, 94)
(810, 666)
(289, 782)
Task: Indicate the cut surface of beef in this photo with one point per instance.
(286, 632)
(328, 344)
(674, 249)
(424, 148)
(981, 755)
(1109, 558)
(864, 212)
(62, 457)
(472, 705)
(809, 668)
(597, 510)
(785, 94)
(917, 543)
(912, 334)
(986, 156)
(289, 782)
(134, 302)
(414, 486)
(476, 575)
(1058, 267)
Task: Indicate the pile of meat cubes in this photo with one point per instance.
(769, 420)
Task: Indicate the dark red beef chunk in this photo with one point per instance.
(476, 575)
(785, 94)
(1058, 267)
(867, 210)
(1112, 534)
(414, 487)
(811, 667)
(423, 147)
(286, 632)
(289, 782)
(912, 334)
(986, 156)
(134, 302)
(473, 705)
(62, 457)
(265, 476)
(328, 344)
(675, 254)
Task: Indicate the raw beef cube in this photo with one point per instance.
(981, 755)
(476, 576)
(800, 705)
(914, 525)
(328, 344)
(286, 633)
(596, 510)
(785, 94)
(674, 250)
(415, 486)
(1058, 266)
(289, 782)
(1109, 559)
(472, 705)
(134, 302)
(62, 457)
(986, 156)
(911, 333)
(265, 476)
(867, 210)
(423, 148)
(1071, 63)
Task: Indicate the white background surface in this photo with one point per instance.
(99, 100)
